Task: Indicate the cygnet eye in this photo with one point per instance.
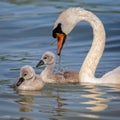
(45, 57)
(25, 74)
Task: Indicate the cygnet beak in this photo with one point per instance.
(41, 62)
(20, 81)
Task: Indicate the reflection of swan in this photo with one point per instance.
(48, 74)
(25, 103)
(28, 80)
(96, 99)
(64, 25)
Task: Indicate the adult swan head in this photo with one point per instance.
(64, 25)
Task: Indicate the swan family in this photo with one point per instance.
(64, 24)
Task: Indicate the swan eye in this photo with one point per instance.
(58, 29)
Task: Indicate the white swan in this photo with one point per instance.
(49, 76)
(64, 25)
(28, 80)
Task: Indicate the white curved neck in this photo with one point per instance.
(92, 59)
(68, 19)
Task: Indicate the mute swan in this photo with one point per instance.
(48, 75)
(64, 25)
(28, 80)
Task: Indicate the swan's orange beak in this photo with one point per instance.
(60, 42)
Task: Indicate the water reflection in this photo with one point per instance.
(25, 103)
(96, 99)
(27, 100)
(29, 93)
(90, 101)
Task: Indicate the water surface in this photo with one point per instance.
(25, 34)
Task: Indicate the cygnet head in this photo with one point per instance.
(47, 58)
(26, 73)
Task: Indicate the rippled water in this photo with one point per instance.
(25, 33)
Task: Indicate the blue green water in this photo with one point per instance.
(26, 33)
